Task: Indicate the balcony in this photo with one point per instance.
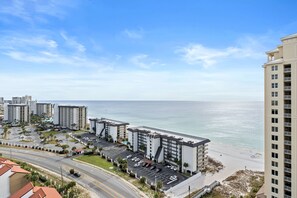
(287, 196)
(287, 115)
(287, 97)
(288, 152)
(287, 79)
(288, 170)
(287, 70)
(287, 124)
(288, 133)
(288, 188)
(287, 106)
(287, 88)
(287, 179)
(288, 161)
(288, 143)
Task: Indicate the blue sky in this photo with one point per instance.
(139, 49)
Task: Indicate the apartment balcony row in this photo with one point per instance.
(286, 70)
(288, 161)
(288, 179)
(287, 152)
(287, 124)
(287, 97)
(287, 88)
(287, 79)
(288, 143)
(287, 106)
(287, 196)
(287, 115)
(288, 133)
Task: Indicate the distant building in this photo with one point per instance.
(17, 100)
(280, 120)
(17, 113)
(106, 128)
(71, 117)
(45, 109)
(175, 148)
(1, 100)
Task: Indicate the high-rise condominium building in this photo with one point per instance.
(281, 120)
(17, 113)
(71, 117)
(45, 109)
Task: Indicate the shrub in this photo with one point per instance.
(132, 174)
(42, 178)
(71, 171)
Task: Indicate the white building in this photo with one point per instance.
(281, 120)
(71, 117)
(1, 100)
(17, 113)
(189, 152)
(44, 109)
(105, 128)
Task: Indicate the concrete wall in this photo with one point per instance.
(4, 184)
(189, 156)
(17, 181)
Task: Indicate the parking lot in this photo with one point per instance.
(153, 172)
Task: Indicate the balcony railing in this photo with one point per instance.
(287, 115)
(287, 88)
(287, 106)
(288, 170)
(288, 133)
(288, 188)
(287, 97)
(288, 152)
(287, 124)
(287, 179)
(287, 79)
(287, 142)
(288, 161)
(287, 196)
(287, 70)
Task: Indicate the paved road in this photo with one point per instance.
(100, 183)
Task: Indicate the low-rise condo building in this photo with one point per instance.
(109, 129)
(17, 113)
(189, 152)
(44, 109)
(71, 117)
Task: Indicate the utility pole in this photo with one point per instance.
(189, 191)
(155, 183)
(62, 175)
(10, 154)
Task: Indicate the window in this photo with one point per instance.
(274, 181)
(274, 120)
(274, 172)
(274, 155)
(274, 129)
(274, 146)
(274, 137)
(274, 111)
(274, 76)
(274, 85)
(274, 68)
(275, 164)
(275, 190)
(274, 103)
(274, 94)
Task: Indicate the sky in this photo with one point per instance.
(196, 50)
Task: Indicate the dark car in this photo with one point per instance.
(144, 164)
(153, 167)
(77, 174)
(158, 170)
(147, 165)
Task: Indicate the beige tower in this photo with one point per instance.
(281, 120)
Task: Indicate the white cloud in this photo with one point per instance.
(73, 43)
(144, 61)
(133, 34)
(205, 56)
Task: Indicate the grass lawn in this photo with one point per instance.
(97, 161)
(48, 133)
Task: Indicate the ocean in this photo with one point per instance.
(237, 124)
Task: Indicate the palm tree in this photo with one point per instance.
(186, 165)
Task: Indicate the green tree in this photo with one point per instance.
(142, 180)
(159, 185)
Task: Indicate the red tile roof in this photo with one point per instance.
(18, 194)
(4, 169)
(17, 169)
(45, 192)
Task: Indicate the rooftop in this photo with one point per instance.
(72, 106)
(24, 190)
(179, 136)
(289, 37)
(110, 121)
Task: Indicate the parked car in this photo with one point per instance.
(77, 174)
(148, 165)
(136, 165)
(137, 159)
(133, 159)
(158, 170)
(144, 164)
(153, 167)
(129, 156)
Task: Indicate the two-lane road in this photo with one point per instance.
(99, 182)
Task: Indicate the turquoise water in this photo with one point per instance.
(233, 123)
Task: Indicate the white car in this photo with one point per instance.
(137, 159)
(129, 156)
(136, 165)
(133, 159)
